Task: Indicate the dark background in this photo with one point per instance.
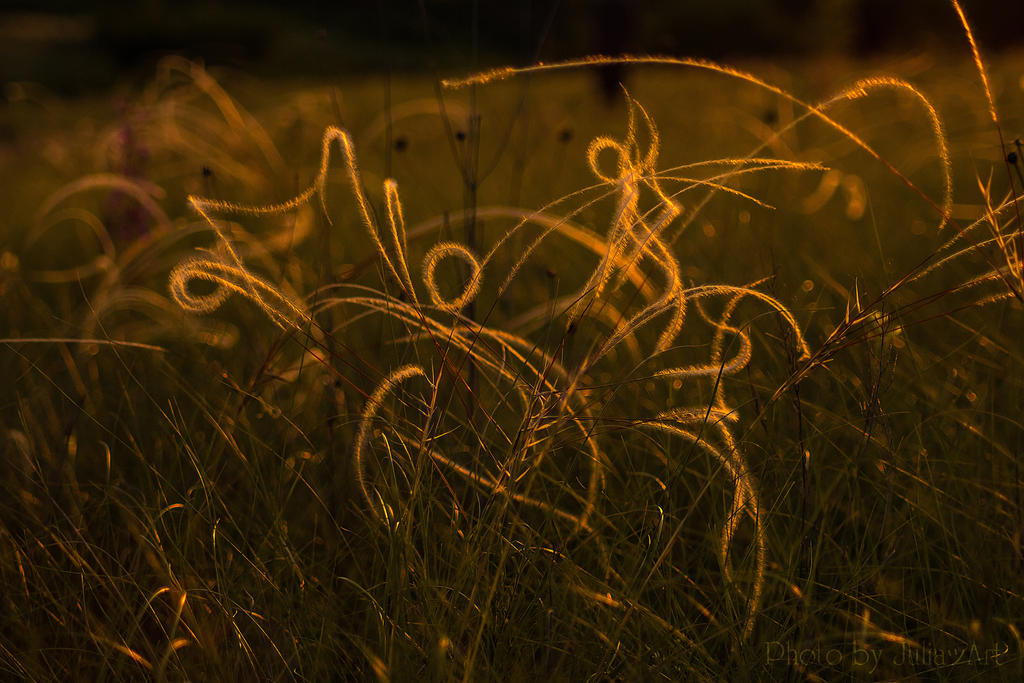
(74, 47)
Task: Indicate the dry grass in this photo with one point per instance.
(459, 412)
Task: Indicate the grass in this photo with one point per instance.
(718, 383)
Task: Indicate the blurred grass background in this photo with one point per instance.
(71, 47)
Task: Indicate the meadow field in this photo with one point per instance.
(712, 377)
